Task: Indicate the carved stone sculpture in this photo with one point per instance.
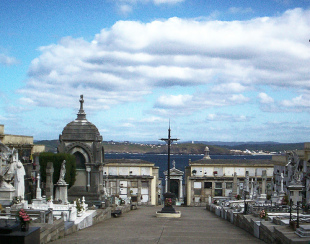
(62, 174)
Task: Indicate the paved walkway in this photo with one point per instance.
(196, 225)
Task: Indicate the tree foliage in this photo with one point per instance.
(57, 160)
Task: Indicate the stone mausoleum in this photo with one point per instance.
(82, 139)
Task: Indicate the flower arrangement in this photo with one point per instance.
(79, 206)
(214, 201)
(17, 200)
(24, 219)
(238, 197)
(285, 200)
(263, 214)
(168, 202)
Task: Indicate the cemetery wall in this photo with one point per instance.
(266, 230)
(51, 232)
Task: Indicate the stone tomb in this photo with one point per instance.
(303, 231)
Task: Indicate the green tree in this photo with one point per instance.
(57, 160)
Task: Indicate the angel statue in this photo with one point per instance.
(6, 159)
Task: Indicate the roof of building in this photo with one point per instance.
(127, 161)
(243, 162)
(81, 129)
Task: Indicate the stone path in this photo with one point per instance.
(196, 225)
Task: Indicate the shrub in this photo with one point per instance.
(57, 160)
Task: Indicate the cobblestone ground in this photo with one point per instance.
(196, 225)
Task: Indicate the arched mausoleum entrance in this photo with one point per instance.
(79, 160)
(174, 187)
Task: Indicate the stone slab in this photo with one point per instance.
(177, 214)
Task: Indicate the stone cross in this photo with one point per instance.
(81, 102)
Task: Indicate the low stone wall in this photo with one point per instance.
(57, 230)
(265, 230)
(51, 232)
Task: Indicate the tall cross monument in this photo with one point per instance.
(169, 140)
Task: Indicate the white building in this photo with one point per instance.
(126, 178)
(213, 178)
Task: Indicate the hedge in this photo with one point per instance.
(57, 160)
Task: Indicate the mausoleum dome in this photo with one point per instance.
(80, 129)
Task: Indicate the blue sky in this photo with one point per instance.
(219, 70)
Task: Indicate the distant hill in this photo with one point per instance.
(276, 147)
(128, 147)
(216, 148)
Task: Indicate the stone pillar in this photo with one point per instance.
(139, 191)
(166, 184)
(38, 191)
(88, 169)
(181, 189)
(235, 185)
(282, 177)
(247, 181)
(264, 181)
(49, 181)
(252, 189)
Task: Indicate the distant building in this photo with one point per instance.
(24, 145)
(133, 178)
(208, 178)
(176, 183)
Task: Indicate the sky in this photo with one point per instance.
(218, 70)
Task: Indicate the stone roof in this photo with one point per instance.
(127, 161)
(81, 129)
(243, 162)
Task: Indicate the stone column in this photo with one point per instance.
(252, 188)
(38, 192)
(235, 186)
(181, 189)
(264, 181)
(139, 191)
(49, 181)
(247, 179)
(88, 169)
